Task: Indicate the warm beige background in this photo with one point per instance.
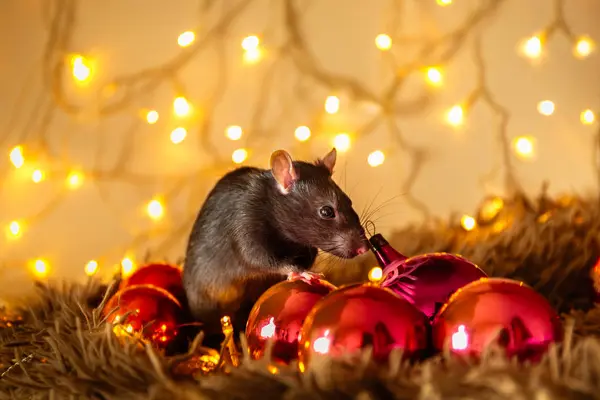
(129, 36)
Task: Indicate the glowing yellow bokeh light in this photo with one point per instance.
(443, 2)
(234, 132)
(127, 266)
(186, 38)
(37, 176)
(252, 56)
(523, 146)
(250, 43)
(491, 208)
(14, 229)
(546, 107)
(302, 133)
(155, 209)
(455, 115)
(383, 42)
(341, 142)
(584, 47)
(74, 179)
(533, 47)
(434, 76)
(181, 107)
(375, 274)
(178, 135)
(376, 158)
(16, 156)
(40, 268)
(81, 69)
(587, 117)
(91, 268)
(152, 117)
(468, 223)
(239, 156)
(332, 104)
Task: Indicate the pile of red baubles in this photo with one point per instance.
(149, 303)
(421, 306)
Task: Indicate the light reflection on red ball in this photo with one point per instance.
(278, 316)
(354, 317)
(151, 311)
(496, 310)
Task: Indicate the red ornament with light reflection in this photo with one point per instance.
(356, 316)
(279, 313)
(162, 275)
(427, 280)
(497, 310)
(147, 309)
(595, 274)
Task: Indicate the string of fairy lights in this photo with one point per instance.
(82, 70)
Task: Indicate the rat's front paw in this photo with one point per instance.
(306, 275)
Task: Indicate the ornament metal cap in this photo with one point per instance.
(377, 241)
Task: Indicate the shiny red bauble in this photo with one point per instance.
(496, 310)
(428, 280)
(162, 275)
(278, 316)
(148, 310)
(356, 316)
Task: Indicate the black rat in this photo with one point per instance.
(258, 225)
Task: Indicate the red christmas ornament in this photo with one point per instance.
(165, 276)
(595, 274)
(426, 280)
(149, 310)
(499, 310)
(279, 313)
(357, 316)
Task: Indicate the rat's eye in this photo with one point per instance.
(327, 212)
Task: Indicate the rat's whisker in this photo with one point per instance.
(352, 189)
(327, 262)
(370, 212)
(380, 217)
(386, 203)
(369, 205)
(380, 207)
(345, 175)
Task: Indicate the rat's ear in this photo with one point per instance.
(283, 170)
(329, 160)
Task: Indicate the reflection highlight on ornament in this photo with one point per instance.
(460, 339)
(268, 331)
(321, 344)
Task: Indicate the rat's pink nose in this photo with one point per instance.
(362, 250)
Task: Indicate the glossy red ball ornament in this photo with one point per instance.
(145, 309)
(162, 275)
(278, 316)
(428, 280)
(499, 310)
(356, 316)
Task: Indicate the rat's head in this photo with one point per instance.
(312, 209)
